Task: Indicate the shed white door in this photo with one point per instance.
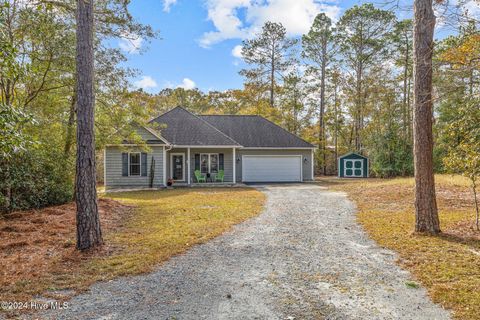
(272, 168)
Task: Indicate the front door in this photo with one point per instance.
(353, 168)
(178, 167)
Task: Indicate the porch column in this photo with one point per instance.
(164, 166)
(188, 164)
(234, 167)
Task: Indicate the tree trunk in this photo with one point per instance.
(335, 135)
(322, 144)
(426, 213)
(359, 107)
(409, 110)
(70, 125)
(89, 233)
(405, 98)
(477, 211)
(272, 76)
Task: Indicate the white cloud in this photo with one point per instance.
(296, 15)
(187, 84)
(473, 9)
(237, 52)
(167, 4)
(130, 43)
(146, 83)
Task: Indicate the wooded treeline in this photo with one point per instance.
(38, 98)
(343, 86)
(348, 86)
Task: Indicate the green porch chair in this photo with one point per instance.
(219, 176)
(199, 176)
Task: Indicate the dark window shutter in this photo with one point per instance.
(125, 164)
(197, 161)
(144, 164)
(220, 161)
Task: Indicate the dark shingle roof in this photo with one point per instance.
(185, 128)
(255, 131)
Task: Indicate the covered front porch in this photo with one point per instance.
(198, 166)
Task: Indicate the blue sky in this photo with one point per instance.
(199, 39)
(195, 50)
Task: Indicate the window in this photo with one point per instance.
(204, 163)
(214, 163)
(209, 163)
(134, 160)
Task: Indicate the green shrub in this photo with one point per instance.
(35, 179)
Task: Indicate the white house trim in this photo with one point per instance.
(200, 146)
(234, 167)
(188, 165)
(136, 145)
(275, 148)
(164, 166)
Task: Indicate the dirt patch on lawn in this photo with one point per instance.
(37, 251)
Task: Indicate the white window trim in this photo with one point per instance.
(183, 164)
(209, 162)
(353, 168)
(140, 172)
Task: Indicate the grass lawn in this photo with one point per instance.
(141, 229)
(448, 265)
(168, 222)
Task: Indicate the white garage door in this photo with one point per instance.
(272, 168)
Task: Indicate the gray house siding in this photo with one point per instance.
(145, 134)
(227, 161)
(113, 168)
(306, 153)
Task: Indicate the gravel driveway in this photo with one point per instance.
(304, 257)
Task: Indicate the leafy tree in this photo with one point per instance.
(335, 119)
(13, 139)
(270, 52)
(463, 155)
(292, 103)
(402, 46)
(319, 49)
(37, 78)
(363, 33)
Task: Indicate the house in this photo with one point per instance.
(246, 148)
(352, 165)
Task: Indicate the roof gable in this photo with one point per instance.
(149, 134)
(184, 128)
(255, 131)
(352, 155)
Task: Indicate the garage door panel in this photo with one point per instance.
(272, 168)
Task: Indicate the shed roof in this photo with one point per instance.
(352, 153)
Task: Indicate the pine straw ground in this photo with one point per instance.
(38, 260)
(448, 265)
